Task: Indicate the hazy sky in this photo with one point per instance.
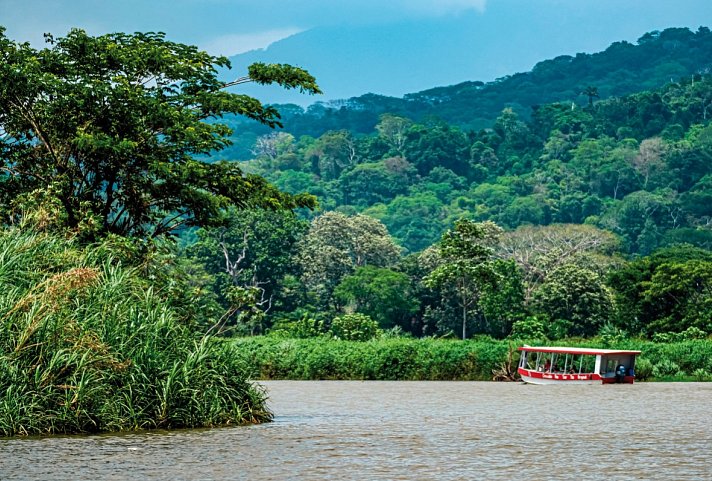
(389, 47)
(220, 26)
(234, 26)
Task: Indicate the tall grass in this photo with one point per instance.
(438, 359)
(89, 346)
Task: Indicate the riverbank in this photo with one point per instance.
(269, 358)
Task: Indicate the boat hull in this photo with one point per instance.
(538, 377)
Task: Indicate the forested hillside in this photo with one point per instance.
(581, 220)
(623, 68)
(636, 165)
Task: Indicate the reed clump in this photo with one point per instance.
(87, 345)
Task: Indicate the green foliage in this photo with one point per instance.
(529, 328)
(667, 291)
(666, 368)
(689, 334)
(303, 328)
(502, 302)
(465, 266)
(354, 327)
(643, 369)
(610, 334)
(107, 129)
(87, 346)
(336, 245)
(249, 258)
(381, 294)
(380, 359)
(578, 296)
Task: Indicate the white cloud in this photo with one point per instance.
(233, 44)
(442, 7)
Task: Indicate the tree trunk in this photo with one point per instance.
(464, 322)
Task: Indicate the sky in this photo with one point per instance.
(389, 47)
(224, 27)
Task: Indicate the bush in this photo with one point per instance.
(666, 368)
(354, 327)
(529, 328)
(435, 359)
(690, 334)
(643, 369)
(87, 346)
(303, 328)
(610, 334)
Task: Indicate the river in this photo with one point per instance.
(334, 430)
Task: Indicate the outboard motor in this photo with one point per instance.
(620, 373)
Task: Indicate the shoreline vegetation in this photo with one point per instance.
(87, 346)
(100, 328)
(410, 359)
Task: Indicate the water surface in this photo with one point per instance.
(327, 430)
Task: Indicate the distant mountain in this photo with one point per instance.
(510, 36)
(655, 59)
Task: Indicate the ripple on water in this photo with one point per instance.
(409, 431)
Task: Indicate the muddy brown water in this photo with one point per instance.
(332, 430)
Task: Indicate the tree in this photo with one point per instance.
(666, 291)
(466, 252)
(540, 250)
(107, 128)
(591, 93)
(649, 158)
(248, 258)
(393, 130)
(382, 294)
(681, 293)
(502, 302)
(333, 152)
(372, 182)
(336, 245)
(577, 295)
(273, 144)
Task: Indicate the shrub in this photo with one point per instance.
(354, 327)
(690, 334)
(529, 328)
(643, 369)
(666, 368)
(303, 328)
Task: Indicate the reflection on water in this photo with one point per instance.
(411, 431)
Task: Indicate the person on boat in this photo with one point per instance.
(620, 372)
(547, 365)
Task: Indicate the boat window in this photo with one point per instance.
(588, 364)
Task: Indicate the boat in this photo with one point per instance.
(576, 365)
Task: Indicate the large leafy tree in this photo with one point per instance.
(578, 297)
(540, 250)
(336, 245)
(667, 291)
(107, 129)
